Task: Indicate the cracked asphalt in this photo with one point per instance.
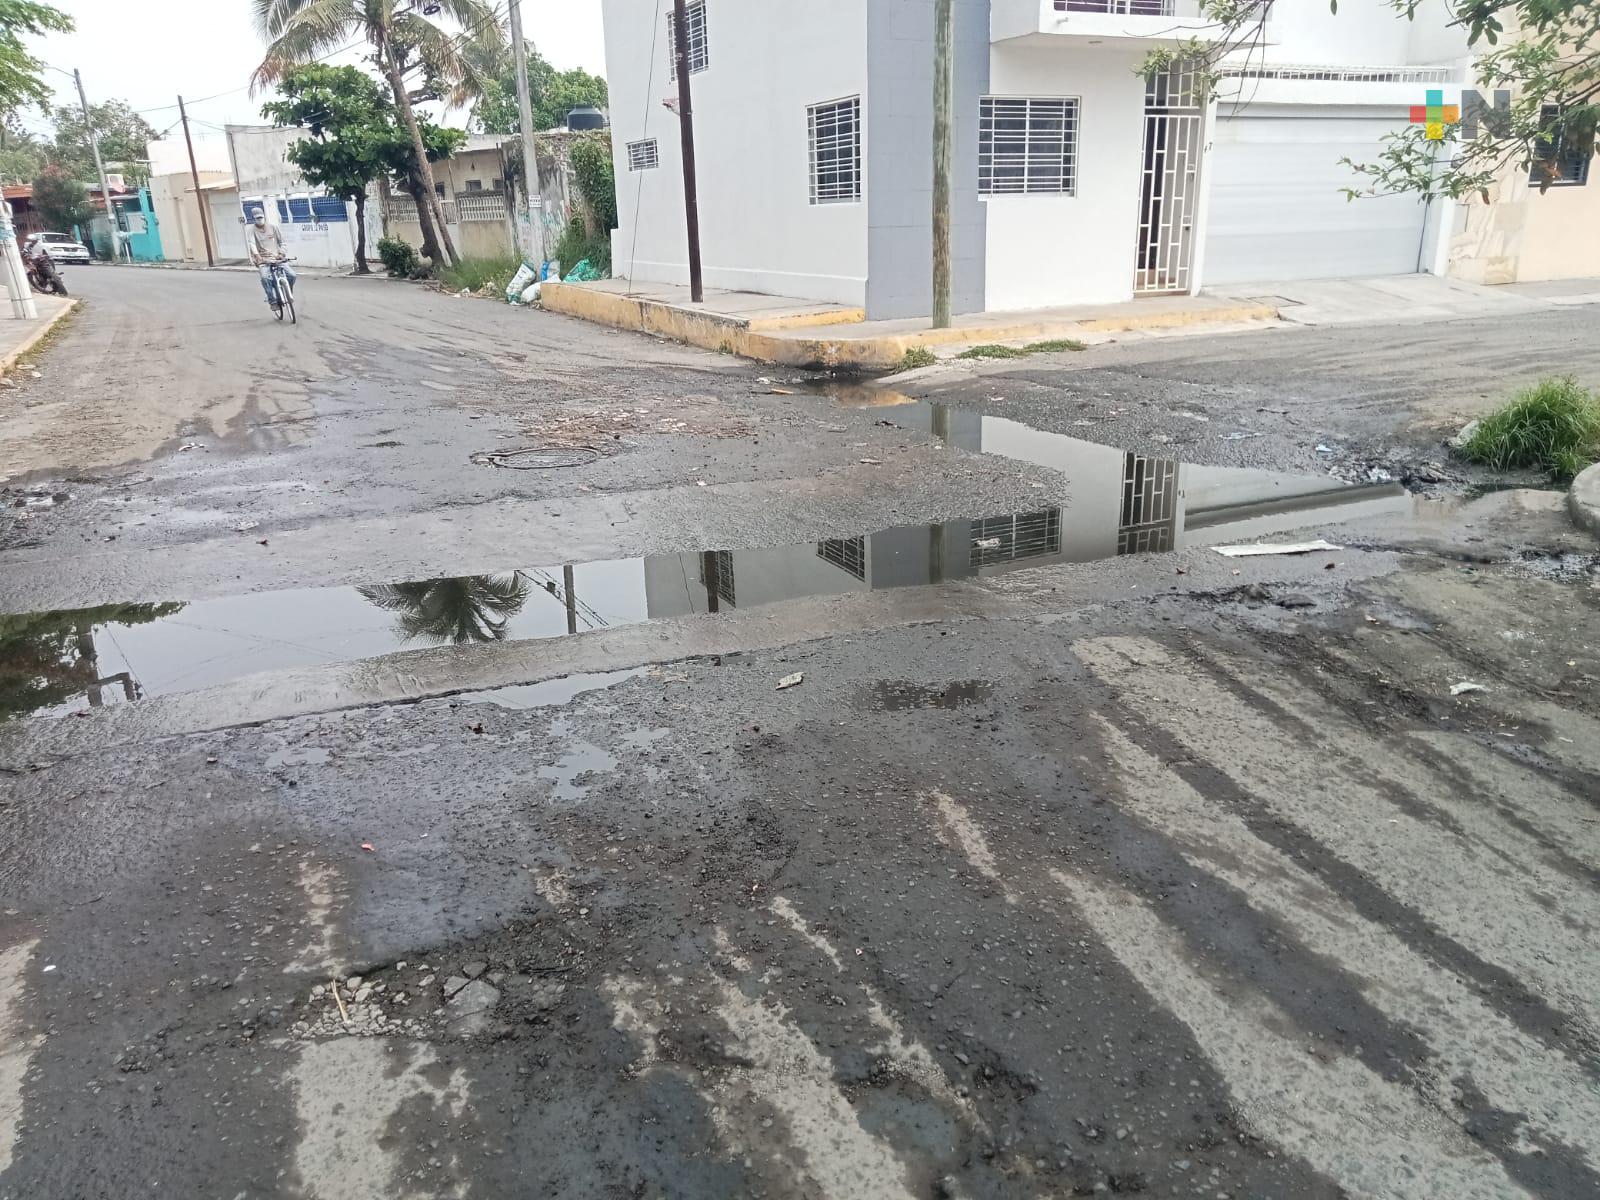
(1164, 874)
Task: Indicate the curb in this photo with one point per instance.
(762, 339)
(1583, 501)
(9, 359)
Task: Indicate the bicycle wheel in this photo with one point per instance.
(288, 302)
(277, 291)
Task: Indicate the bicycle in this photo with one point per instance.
(284, 291)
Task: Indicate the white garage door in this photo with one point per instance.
(1277, 210)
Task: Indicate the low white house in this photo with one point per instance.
(1077, 180)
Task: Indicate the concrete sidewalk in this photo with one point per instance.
(802, 333)
(17, 337)
(1405, 298)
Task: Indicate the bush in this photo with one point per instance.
(992, 351)
(597, 183)
(474, 274)
(1055, 344)
(1552, 426)
(399, 257)
(576, 245)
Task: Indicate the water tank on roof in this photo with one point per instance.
(586, 118)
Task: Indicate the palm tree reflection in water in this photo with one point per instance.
(473, 608)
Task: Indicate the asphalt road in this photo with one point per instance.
(1166, 874)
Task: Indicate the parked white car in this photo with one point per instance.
(60, 247)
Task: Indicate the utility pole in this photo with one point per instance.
(94, 145)
(944, 86)
(530, 169)
(691, 191)
(200, 196)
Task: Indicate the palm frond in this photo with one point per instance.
(301, 31)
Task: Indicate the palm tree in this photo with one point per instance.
(474, 608)
(402, 34)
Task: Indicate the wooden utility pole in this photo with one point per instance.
(944, 86)
(199, 196)
(94, 145)
(691, 192)
(530, 169)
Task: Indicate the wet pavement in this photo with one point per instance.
(1079, 859)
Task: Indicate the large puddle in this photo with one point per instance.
(59, 662)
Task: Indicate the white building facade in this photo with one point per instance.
(1076, 180)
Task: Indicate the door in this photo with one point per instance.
(1169, 182)
(1278, 209)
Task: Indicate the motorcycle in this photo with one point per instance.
(45, 276)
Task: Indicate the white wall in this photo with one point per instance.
(1361, 33)
(1050, 250)
(759, 232)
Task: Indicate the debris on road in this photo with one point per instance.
(1466, 686)
(1260, 548)
(789, 681)
(246, 526)
(1239, 437)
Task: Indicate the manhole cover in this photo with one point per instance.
(538, 458)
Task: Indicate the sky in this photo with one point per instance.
(206, 49)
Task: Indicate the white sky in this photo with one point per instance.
(147, 54)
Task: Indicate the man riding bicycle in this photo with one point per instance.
(266, 248)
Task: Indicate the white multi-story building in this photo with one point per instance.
(1077, 180)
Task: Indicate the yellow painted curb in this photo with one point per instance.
(760, 341)
(9, 359)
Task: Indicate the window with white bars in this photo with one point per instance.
(644, 155)
(835, 136)
(1556, 163)
(699, 45)
(1028, 145)
(848, 554)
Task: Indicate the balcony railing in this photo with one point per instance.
(1136, 8)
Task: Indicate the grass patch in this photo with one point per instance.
(991, 350)
(916, 356)
(1552, 426)
(476, 273)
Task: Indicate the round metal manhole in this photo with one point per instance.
(539, 458)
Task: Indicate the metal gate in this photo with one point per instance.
(1169, 184)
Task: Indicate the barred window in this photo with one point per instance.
(1028, 145)
(848, 554)
(699, 44)
(835, 135)
(643, 155)
(1556, 163)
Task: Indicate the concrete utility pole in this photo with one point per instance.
(530, 168)
(691, 191)
(200, 196)
(13, 273)
(94, 145)
(944, 86)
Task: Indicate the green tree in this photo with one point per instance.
(475, 608)
(1542, 51)
(22, 156)
(60, 199)
(352, 126)
(47, 658)
(404, 37)
(400, 164)
(124, 138)
(21, 83)
(554, 94)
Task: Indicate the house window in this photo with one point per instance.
(716, 574)
(997, 540)
(699, 46)
(643, 156)
(439, 188)
(835, 151)
(1556, 164)
(1028, 145)
(848, 554)
(474, 185)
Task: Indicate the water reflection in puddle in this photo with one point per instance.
(1122, 503)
